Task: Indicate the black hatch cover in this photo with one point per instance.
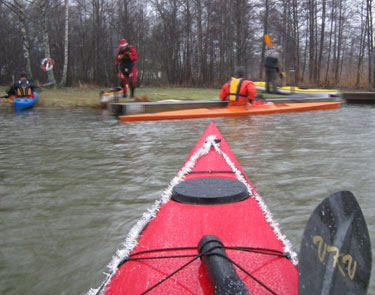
(209, 190)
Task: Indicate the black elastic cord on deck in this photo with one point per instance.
(263, 251)
(250, 275)
(171, 274)
(131, 256)
(239, 267)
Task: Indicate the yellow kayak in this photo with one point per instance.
(293, 89)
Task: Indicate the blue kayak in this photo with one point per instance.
(22, 103)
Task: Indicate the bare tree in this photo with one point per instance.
(322, 41)
(312, 37)
(361, 43)
(339, 40)
(200, 65)
(167, 39)
(370, 43)
(18, 7)
(265, 32)
(66, 45)
(333, 12)
(44, 10)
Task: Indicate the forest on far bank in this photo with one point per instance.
(189, 43)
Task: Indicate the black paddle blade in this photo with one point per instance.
(335, 254)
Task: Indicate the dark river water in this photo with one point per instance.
(73, 182)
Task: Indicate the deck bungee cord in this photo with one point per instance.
(264, 251)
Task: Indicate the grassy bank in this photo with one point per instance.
(69, 97)
(89, 96)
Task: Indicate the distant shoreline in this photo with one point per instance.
(73, 97)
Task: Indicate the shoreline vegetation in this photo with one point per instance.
(71, 97)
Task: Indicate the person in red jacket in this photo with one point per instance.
(238, 91)
(125, 60)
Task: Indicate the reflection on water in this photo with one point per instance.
(72, 183)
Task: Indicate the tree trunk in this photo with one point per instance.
(370, 43)
(361, 46)
(339, 44)
(47, 52)
(322, 33)
(26, 46)
(66, 45)
(18, 8)
(199, 69)
(330, 44)
(312, 41)
(265, 32)
(296, 51)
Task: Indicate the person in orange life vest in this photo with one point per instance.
(22, 88)
(125, 59)
(238, 91)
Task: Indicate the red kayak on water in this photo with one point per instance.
(211, 233)
(209, 201)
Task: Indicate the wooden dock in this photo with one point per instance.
(359, 97)
(298, 97)
(160, 106)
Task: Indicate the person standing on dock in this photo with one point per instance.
(272, 67)
(239, 91)
(125, 60)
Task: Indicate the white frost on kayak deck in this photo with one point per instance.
(132, 238)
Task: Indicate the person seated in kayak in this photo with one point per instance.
(22, 88)
(239, 91)
(125, 59)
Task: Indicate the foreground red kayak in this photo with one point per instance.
(211, 233)
(269, 108)
(210, 203)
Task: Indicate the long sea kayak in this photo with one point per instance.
(209, 228)
(293, 89)
(268, 108)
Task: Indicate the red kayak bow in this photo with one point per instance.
(209, 230)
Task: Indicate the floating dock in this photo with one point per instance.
(359, 97)
(160, 106)
(301, 97)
